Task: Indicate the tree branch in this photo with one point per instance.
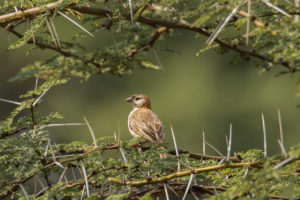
(149, 44)
(59, 50)
(182, 173)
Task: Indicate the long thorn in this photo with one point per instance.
(12, 102)
(286, 161)
(276, 8)
(230, 142)
(36, 82)
(85, 180)
(62, 174)
(78, 25)
(158, 60)
(39, 98)
(65, 124)
(46, 149)
(51, 32)
(215, 34)
(91, 131)
(280, 127)
(214, 148)
(42, 191)
(82, 193)
(265, 134)
(176, 147)
(54, 31)
(174, 192)
(166, 191)
(248, 22)
(296, 6)
(203, 142)
(24, 191)
(123, 155)
(188, 186)
(32, 32)
(283, 151)
(131, 10)
(246, 173)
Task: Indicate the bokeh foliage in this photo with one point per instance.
(272, 40)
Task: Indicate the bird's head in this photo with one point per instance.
(139, 101)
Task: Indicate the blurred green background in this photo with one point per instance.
(196, 93)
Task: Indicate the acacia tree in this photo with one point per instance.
(265, 31)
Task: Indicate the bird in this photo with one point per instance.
(143, 122)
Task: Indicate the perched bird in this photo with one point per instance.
(142, 122)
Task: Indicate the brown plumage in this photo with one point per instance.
(142, 122)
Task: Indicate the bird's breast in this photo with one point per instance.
(129, 118)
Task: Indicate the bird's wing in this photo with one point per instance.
(145, 123)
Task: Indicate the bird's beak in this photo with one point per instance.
(129, 99)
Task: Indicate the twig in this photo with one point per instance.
(182, 173)
(29, 12)
(265, 134)
(61, 51)
(158, 33)
(91, 131)
(75, 23)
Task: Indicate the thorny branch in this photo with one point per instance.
(7, 18)
(182, 173)
(59, 50)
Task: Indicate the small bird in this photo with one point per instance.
(142, 122)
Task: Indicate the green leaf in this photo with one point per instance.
(36, 24)
(117, 196)
(147, 196)
(150, 65)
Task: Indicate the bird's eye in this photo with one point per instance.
(138, 98)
